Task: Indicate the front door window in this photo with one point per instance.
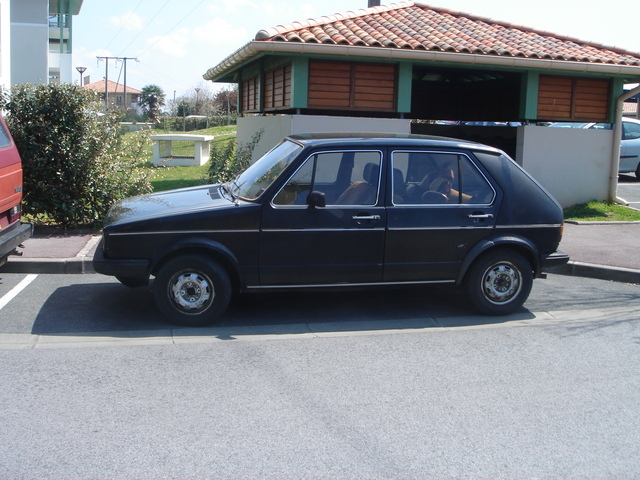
(345, 178)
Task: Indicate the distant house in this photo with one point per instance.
(407, 63)
(115, 93)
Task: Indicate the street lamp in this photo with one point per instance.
(197, 92)
(81, 71)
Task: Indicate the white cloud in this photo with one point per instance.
(220, 32)
(128, 21)
(173, 45)
(238, 5)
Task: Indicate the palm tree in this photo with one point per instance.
(151, 99)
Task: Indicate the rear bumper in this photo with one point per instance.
(13, 236)
(553, 260)
(130, 268)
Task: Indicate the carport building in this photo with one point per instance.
(394, 67)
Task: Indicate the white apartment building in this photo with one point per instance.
(36, 36)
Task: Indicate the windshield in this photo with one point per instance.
(259, 176)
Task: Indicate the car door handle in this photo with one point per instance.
(359, 218)
(480, 216)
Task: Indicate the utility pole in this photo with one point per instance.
(124, 59)
(106, 79)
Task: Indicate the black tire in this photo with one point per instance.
(638, 172)
(133, 282)
(499, 282)
(192, 290)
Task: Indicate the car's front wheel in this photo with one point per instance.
(499, 282)
(192, 290)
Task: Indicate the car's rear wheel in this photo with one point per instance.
(192, 290)
(638, 172)
(499, 282)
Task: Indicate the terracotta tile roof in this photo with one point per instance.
(113, 87)
(417, 26)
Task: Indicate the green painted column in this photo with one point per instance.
(405, 77)
(529, 96)
(300, 82)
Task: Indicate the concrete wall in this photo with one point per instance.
(5, 44)
(29, 41)
(277, 127)
(571, 163)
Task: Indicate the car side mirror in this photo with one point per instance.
(316, 200)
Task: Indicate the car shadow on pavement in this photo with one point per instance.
(627, 178)
(94, 309)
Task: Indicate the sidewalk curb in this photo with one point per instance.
(599, 272)
(74, 265)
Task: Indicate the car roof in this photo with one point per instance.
(385, 139)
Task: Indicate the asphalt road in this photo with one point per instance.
(629, 189)
(95, 304)
(396, 384)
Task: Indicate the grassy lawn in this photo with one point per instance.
(169, 178)
(601, 212)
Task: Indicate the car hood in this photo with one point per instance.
(167, 203)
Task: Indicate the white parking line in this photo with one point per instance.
(16, 290)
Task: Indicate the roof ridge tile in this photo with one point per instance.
(527, 28)
(280, 29)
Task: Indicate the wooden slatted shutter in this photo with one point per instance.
(277, 88)
(329, 84)
(251, 94)
(573, 99)
(352, 86)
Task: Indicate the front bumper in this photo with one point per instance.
(13, 236)
(129, 268)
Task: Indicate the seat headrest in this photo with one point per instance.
(371, 172)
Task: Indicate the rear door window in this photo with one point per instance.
(432, 178)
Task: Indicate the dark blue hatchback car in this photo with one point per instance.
(341, 210)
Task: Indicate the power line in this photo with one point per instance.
(172, 28)
(123, 25)
(147, 25)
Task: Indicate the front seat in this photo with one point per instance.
(364, 191)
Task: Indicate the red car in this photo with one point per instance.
(12, 232)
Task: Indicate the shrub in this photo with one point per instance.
(75, 160)
(228, 160)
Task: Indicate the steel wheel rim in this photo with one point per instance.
(501, 283)
(191, 292)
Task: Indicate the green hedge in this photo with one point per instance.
(76, 161)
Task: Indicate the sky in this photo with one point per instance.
(172, 43)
